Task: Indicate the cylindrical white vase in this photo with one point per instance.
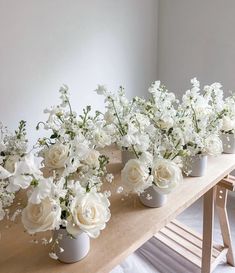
(74, 248)
(228, 141)
(126, 156)
(152, 198)
(197, 165)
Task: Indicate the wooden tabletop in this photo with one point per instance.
(131, 225)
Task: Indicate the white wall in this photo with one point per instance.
(196, 38)
(78, 42)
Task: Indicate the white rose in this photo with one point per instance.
(213, 145)
(11, 162)
(92, 158)
(56, 156)
(90, 212)
(135, 176)
(166, 174)
(228, 124)
(41, 217)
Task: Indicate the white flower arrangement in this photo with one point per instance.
(76, 170)
(168, 130)
(13, 148)
(228, 121)
(156, 165)
(127, 125)
(64, 189)
(199, 116)
(167, 140)
(147, 129)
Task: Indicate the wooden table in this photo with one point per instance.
(131, 225)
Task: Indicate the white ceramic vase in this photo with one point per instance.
(197, 165)
(152, 198)
(228, 141)
(126, 156)
(74, 249)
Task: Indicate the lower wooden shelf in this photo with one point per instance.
(188, 243)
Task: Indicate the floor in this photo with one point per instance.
(153, 257)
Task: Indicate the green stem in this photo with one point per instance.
(40, 122)
(195, 119)
(118, 129)
(70, 108)
(119, 121)
(133, 148)
(122, 132)
(175, 156)
(84, 119)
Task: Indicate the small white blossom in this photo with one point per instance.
(119, 190)
(109, 177)
(107, 193)
(101, 90)
(149, 197)
(53, 256)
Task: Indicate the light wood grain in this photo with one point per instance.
(131, 225)
(187, 243)
(228, 183)
(221, 206)
(192, 236)
(208, 226)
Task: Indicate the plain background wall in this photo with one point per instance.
(78, 42)
(196, 38)
(130, 42)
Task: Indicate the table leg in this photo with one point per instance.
(221, 207)
(208, 226)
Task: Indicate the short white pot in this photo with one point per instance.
(228, 141)
(152, 198)
(74, 249)
(197, 165)
(126, 156)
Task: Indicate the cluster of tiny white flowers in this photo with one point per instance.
(109, 177)
(126, 125)
(13, 148)
(6, 198)
(200, 116)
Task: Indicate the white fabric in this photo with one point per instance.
(154, 257)
(135, 264)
